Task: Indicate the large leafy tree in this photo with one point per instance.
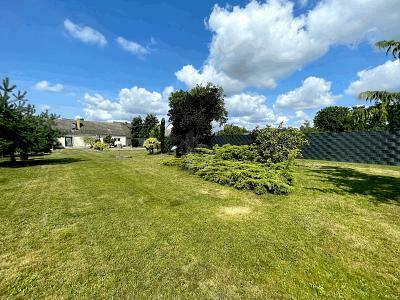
(136, 127)
(192, 113)
(150, 126)
(21, 130)
(333, 119)
(387, 103)
(231, 129)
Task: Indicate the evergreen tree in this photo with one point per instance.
(162, 135)
(136, 127)
(150, 123)
(21, 130)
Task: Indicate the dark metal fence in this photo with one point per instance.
(362, 147)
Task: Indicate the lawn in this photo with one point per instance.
(81, 224)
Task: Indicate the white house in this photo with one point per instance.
(73, 132)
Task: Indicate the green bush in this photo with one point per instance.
(230, 152)
(274, 145)
(100, 146)
(151, 145)
(135, 143)
(275, 179)
(89, 140)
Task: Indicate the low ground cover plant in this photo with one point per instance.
(263, 167)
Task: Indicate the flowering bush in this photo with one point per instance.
(151, 145)
(100, 146)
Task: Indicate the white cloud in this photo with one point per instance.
(130, 102)
(382, 78)
(301, 115)
(249, 110)
(132, 47)
(44, 85)
(191, 77)
(313, 93)
(262, 42)
(85, 34)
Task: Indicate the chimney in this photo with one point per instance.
(79, 123)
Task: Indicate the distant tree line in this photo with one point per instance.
(22, 131)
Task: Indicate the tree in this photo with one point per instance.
(393, 46)
(136, 127)
(150, 123)
(386, 102)
(21, 130)
(192, 113)
(151, 144)
(162, 136)
(107, 139)
(230, 129)
(306, 128)
(333, 119)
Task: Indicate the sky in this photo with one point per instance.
(277, 60)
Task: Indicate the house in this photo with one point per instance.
(74, 131)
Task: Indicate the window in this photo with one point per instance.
(68, 141)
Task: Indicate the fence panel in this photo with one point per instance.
(373, 147)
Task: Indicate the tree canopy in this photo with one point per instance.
(192, 113)
(333, 119)
(21, 130)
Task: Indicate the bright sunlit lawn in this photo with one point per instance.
(87, 224)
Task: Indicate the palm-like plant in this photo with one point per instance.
(392, 45)
(383, 99)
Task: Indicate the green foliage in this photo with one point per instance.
(239, 174)
(21, 130)
(333, 119)
(230, 129)
(392, 47)
(137, 127)
(89, 140)
(151, 145)
(230, 152)
(274, 145)
(162, 136)
(387, 104)
(306, 128)
(135, 142)
(150, 126)
(100, 146)
(107, 139)
(192, 113)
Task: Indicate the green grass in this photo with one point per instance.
(80, 224)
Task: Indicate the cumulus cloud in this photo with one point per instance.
(249, 110)
(383, 78)
(262, 42)
(130, 102)
(132, 47)
(313, 93)
(44, 85)
(191, 77)
(85, 34)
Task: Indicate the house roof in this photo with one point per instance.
(67, 127)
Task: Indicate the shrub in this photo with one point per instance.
(151, 144)
(275, 144)
(135, 143)
(230, 152)
(100, 146)
(239, 174)
(107, 139)
(89, 140)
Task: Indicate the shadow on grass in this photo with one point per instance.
(39, 162)
(380, 188)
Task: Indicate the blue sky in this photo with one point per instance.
(277, 60)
